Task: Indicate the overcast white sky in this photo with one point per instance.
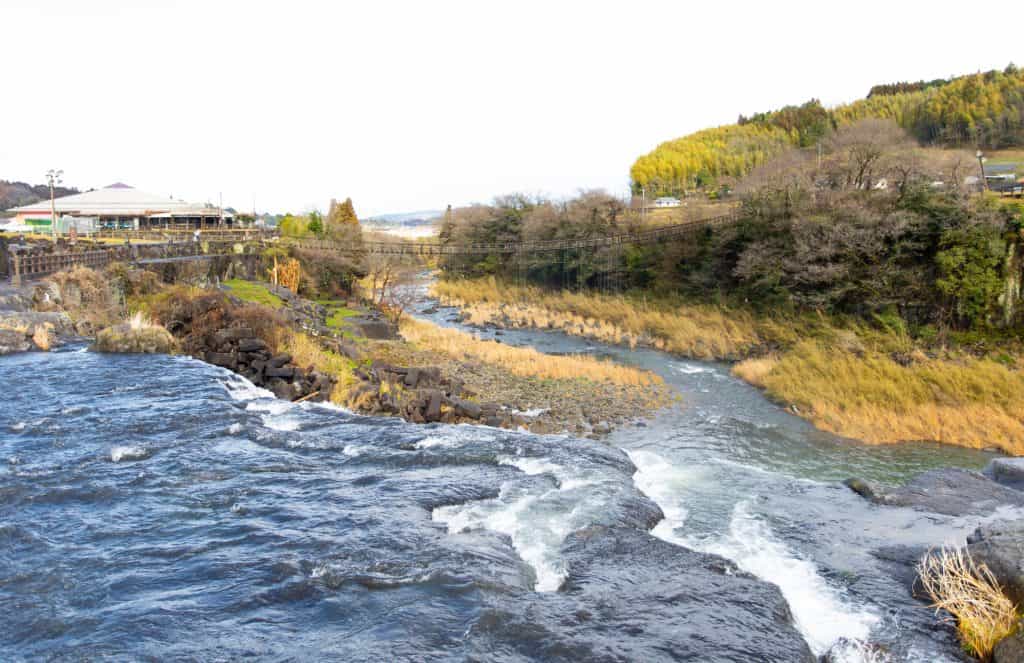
(413, 105)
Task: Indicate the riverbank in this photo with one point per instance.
(873, 383)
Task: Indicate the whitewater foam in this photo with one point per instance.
(819, 611)
(691, 369)
(536, 540)
(120, 453)
(234, 429)
(537, 524)
(241, 389)
(19, 426)
(531, 466)
(282, 423)
(433, 442)
(664, 483)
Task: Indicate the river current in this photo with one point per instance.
(157, 507)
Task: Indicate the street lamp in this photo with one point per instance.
(53, 177)
(981, 163)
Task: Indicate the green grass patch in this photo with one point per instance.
(257, 293)
(338, 316)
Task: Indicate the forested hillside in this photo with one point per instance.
(16, 194)
(979, 110)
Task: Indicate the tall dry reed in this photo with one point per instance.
(970, 593)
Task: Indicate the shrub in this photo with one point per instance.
(970, 593)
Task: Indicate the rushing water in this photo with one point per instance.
(159, 507)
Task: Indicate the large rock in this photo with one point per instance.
(467, 409)
(632, 597)
(1000, 546)
(124, 337)
(432, 412)
(948, 491)
(12, 341)
(1007, 471)
(1010, 650)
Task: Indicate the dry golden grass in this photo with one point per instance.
(965, 401)
(43, 336)
(525, 362)
(703, 332)
(307, 352)
(842, 379)
(18, 327)
(756, 369)
(970, 593)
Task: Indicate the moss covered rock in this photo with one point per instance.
(150, 339)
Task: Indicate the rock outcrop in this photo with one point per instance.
(237, 348)
(949, 491)
(23, 329)
(663, 601)
(424, 395)
(1006, 471)
(1000, 546)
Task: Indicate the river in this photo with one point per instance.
(159, 507)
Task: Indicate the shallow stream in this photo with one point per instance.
(157, 506)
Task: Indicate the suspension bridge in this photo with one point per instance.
(435, 248)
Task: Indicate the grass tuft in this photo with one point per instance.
(307, 352)
(970, 593)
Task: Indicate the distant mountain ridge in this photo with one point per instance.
(422, 217)
(16, 194)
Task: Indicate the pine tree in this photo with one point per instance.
(343, 214)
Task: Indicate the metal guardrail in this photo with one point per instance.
(238, 235)
(24, 264)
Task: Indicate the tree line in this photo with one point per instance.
(983, 110)
(871, 225)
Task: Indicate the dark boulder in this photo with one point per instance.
(467, 409)
(949, 491)
(283, 390)
(866, 489)
(1000, 546)
(1010, 650)
(432, 411)
(251, 345)
(412, 378)
(1007, 471)
(284, 372)
(223, 359)
(280, 360)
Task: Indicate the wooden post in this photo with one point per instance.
(15, 268)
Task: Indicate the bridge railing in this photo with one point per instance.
(648, 236)
(32, 262)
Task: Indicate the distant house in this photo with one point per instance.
(1001, 176)
(118, 206)
(667, 201)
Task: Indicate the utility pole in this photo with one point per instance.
(220, 209)
(981, 163)
(53, 177)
